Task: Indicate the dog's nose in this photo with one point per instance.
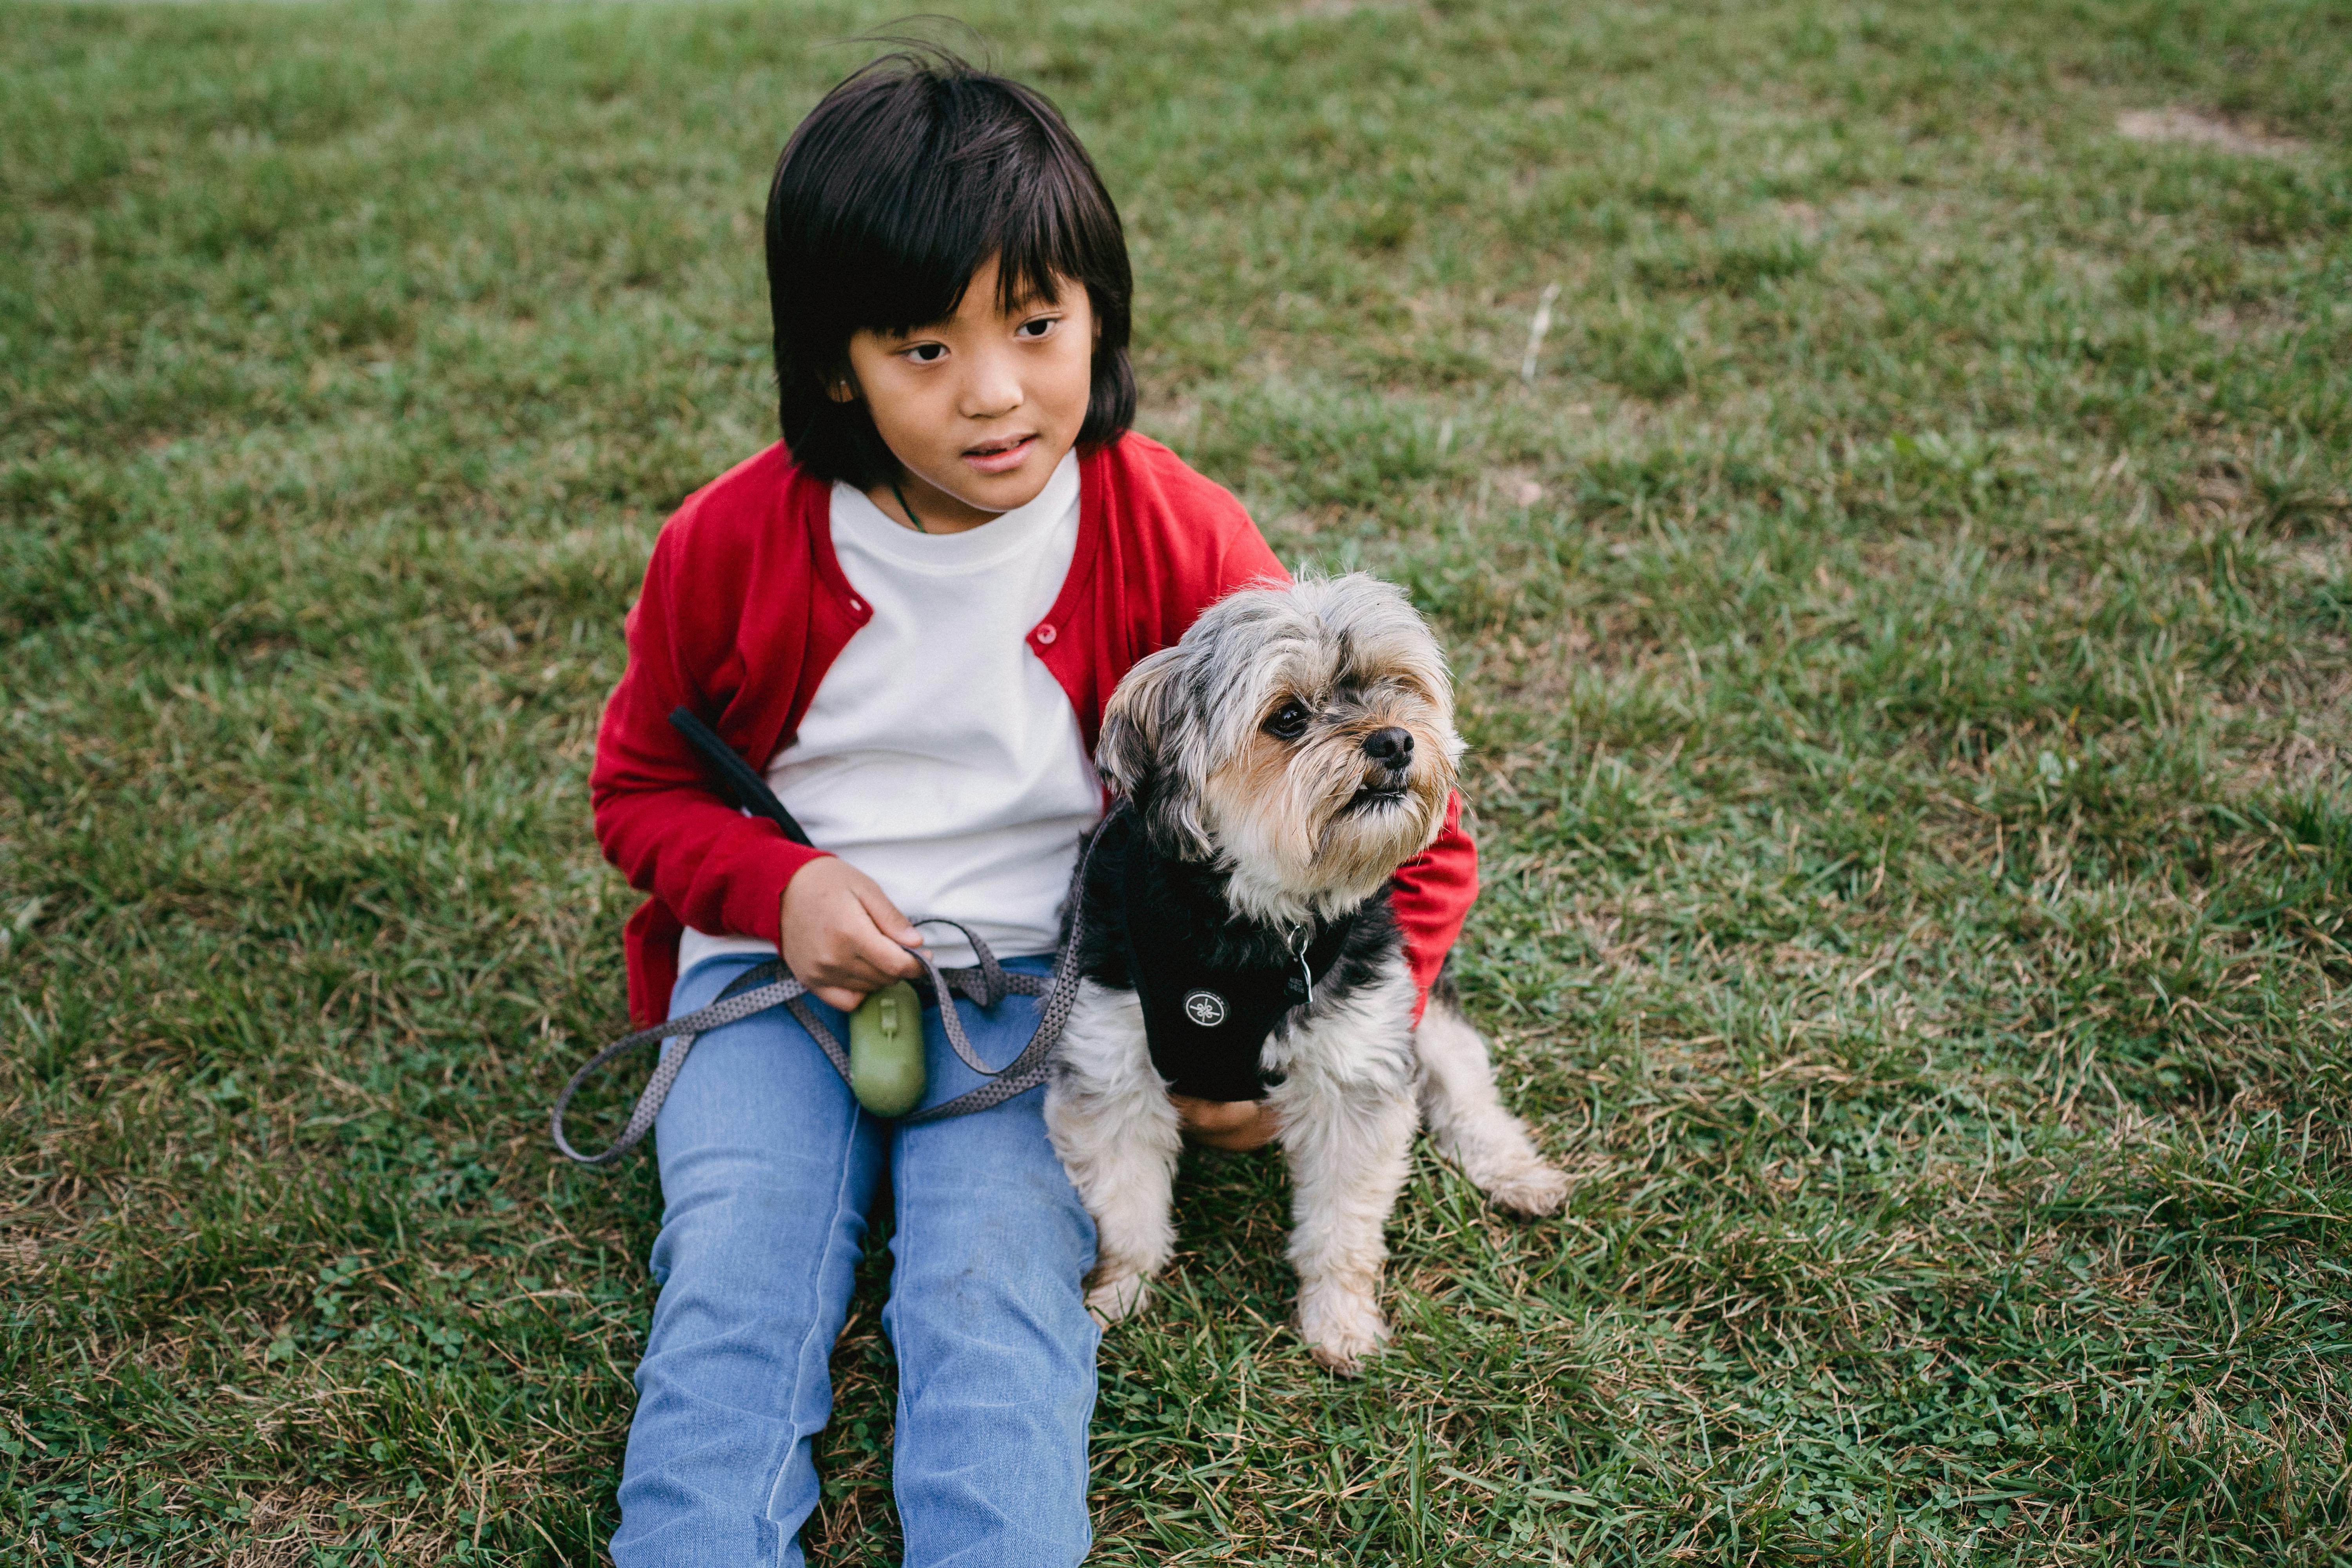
(1392, 747)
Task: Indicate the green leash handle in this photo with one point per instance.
(886, 1050)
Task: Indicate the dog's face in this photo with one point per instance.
(1301, 737)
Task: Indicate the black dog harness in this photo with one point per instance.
(1206, 1022)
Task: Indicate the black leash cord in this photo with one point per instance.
(742, 786)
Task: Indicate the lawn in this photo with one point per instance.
(1905, 627)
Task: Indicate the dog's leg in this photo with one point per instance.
(1349, 1140)
(1110, 1120)
(1466, 1118)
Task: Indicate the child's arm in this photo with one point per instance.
(716, 868)
(1431, 896)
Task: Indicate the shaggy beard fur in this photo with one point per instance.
(1285, 759)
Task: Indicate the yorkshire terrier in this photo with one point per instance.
(1273, 771)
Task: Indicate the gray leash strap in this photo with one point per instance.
(768, 984)
(993, 983)
(732, 1007)
(1027, 1070)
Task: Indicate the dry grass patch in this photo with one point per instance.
(2199, 130)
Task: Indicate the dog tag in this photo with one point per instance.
(1302, 989)
(886, 1051)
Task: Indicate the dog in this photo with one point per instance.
(1271, 772)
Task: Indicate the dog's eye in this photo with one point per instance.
(1288, 721)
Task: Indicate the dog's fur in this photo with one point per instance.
(1268, 832)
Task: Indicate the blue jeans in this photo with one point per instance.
(768, 1167)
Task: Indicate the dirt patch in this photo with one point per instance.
(2200, 129)
(1326, 10)
(1175, 423)
(20, 1258)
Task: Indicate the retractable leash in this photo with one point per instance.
(889, 1031)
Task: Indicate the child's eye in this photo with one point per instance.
(1036, 327)
(926, 354)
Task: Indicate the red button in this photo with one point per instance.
(1045, 635)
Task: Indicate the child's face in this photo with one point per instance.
(980, 408)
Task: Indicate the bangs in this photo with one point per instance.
(891, 196)
(978, 184)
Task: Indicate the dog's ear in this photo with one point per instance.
(1147, 754)
(1134, 724)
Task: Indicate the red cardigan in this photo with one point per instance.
(745, 607)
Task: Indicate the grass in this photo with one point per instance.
(1905, 632)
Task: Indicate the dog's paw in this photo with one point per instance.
(1120, 1296)
(1532, 1189)
(1340, 1325)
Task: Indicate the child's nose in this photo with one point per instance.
(992, 390)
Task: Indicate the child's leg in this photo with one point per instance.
(996, 1351)
(767, 1167)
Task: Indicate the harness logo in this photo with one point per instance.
(1205, 1008)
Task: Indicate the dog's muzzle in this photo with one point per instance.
(1390, 752)
(1391, 748)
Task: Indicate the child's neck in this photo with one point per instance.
(917, 503)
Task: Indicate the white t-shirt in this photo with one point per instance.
(938, 755)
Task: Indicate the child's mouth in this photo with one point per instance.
(997, 457)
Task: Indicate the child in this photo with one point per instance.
(909, 614)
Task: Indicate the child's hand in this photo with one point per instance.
(1227, 1124)
(843, 939)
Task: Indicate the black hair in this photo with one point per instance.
(890, 196)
